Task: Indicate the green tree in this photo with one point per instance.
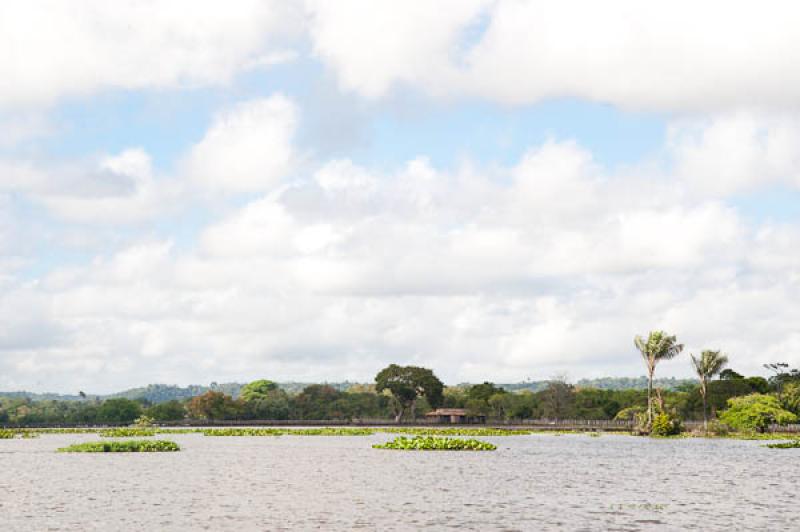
(729, 375)
(257, 389)
(658, 346)
(407, 384)
(318, 401)
(214, 405)
(118, 411)
(262, 399)
(790, 399)
(557, 400)
(755, 412)
(709, 364)
(167, 411)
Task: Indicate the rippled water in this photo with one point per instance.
(539, 482)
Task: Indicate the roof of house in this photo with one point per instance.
(447, 412)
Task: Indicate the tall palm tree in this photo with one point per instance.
(707, 366)
(658, 346)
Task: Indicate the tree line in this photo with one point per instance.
(409, 392)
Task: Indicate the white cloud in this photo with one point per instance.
(50, 50)
(678, 56)
(531, 270)
(247, 148)
(735, 153)
(117, 188)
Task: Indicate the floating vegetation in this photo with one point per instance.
(329, 431)
(242, 432)
(71, 430)
(761, 436)
(435, 443)
(785, 445)
(433, 431)
(127, 432)
(9, 434)
(321, 431)
(125, 446)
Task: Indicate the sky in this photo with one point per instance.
(498, 190)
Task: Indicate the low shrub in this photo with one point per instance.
(127, 432)
(665, 425)
(755, 412)
(144, 421)
(125, 446)
(434, 443)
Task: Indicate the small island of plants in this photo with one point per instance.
(127, 432)
(126, 446)
(785, 445)
(435, 443)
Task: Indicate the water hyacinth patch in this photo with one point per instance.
(435, 443)
(127, 432)
(329, 431)
(68, 430)
(126, 446)
(241, 432)
(321, 431)
(8, 434)
(460, 431)
(785, 445)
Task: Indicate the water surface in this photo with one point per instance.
(538, 482)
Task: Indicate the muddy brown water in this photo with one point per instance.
(537, 482)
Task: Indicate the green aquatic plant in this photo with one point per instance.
(242, 432)
(8, 434)
(127, 432)
(329, 431)
(435, 443)
(68, 430)
(125, 446)
(318, 431)
(456, 431)
(785, 445)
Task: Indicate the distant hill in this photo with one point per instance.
(604, 383)
(633, 383)
(159, 393)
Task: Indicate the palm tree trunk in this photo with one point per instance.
(705, 413)
(649, 398)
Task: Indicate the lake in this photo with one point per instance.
(537, 482)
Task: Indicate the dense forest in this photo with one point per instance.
(265, 400)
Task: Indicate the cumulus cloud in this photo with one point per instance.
(50, 50)
(332, 268)
(540, 267)
(118, 188)
(247, 148)
(681, 56)
(736, 152)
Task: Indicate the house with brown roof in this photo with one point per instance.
(453, 415)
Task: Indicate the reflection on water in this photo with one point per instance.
(539, 482)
